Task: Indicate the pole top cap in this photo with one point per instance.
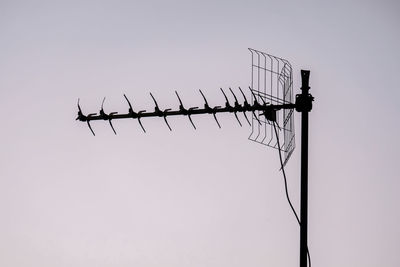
(305, 78)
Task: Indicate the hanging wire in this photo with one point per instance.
(286, 187)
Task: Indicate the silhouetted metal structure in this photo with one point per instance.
(272, 83)
(304, 105)
(271, 91)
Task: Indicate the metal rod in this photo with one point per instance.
(257, 107)
(304, 169)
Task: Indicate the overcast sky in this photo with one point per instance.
(208, 197)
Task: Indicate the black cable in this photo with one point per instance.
(286, 187)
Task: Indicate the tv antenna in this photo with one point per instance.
(271, 106)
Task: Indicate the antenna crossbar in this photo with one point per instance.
(266, 109)
(251, 108)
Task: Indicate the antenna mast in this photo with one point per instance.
(304, 106)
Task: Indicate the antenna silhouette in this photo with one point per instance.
(266, 109)
(271, 107)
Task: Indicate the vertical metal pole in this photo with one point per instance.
(305, 74)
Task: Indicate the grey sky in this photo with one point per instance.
(194, 198)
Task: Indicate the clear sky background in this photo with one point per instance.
(194, 198)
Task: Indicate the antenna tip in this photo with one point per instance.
(305, 78)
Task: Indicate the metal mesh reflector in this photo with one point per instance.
(272, 82)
